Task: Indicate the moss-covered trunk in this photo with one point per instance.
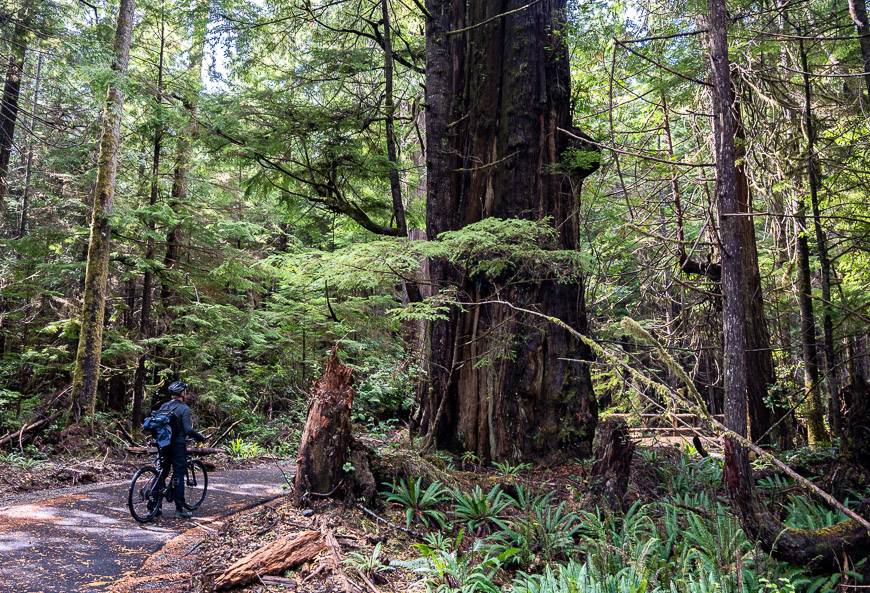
(87, 367)
(502, 384)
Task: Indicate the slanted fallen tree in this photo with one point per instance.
(50, 410)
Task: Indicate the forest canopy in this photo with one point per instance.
(519, 223)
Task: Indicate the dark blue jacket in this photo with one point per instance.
(183, 425)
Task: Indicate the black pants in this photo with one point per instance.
(174, 456)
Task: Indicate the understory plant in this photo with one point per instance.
(420, 504)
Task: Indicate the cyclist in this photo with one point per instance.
(175, 453)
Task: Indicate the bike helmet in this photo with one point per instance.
(176, 388)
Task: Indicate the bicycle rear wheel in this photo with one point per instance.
(195, 484)
(143, 500)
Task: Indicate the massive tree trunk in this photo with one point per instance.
(502, 384)
(11, 90)
(815, 550)
(87, 366)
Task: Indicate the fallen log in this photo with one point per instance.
(273, 558)
(26, 429)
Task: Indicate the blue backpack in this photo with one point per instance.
(159, 424)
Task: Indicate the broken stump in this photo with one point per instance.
(612, 469)
(326, 438)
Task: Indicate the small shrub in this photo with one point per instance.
(419, 503)
(478, 511)
(242, 449)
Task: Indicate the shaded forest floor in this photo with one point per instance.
(533, 521)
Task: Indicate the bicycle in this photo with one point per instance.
(143, 499)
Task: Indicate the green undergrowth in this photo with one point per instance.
(528, 537)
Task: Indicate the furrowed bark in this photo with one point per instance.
(503, 384)
(87, 367)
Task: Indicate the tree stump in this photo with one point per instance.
(612, 466)
(856, 427)
(326, 439)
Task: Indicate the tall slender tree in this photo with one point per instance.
(146, 325)
(86, 374)
(184, 147)
(826, 547)
(814, 181)
(28, 166)
(17, 43)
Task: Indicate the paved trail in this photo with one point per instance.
(84, 540)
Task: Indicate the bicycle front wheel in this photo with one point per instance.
(143, 500)
(195, 484)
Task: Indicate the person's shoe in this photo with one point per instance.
(183, 514)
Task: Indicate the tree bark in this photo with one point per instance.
(87, 367)
(11, 90)
(28, 168)
(858, 12)
(814, 180)
(816, 431)
(760, 370)
(273, 558)
(503, 384)
(821, 549)
(326, 438)
(612, 469)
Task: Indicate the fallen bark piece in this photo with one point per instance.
(273, 558)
